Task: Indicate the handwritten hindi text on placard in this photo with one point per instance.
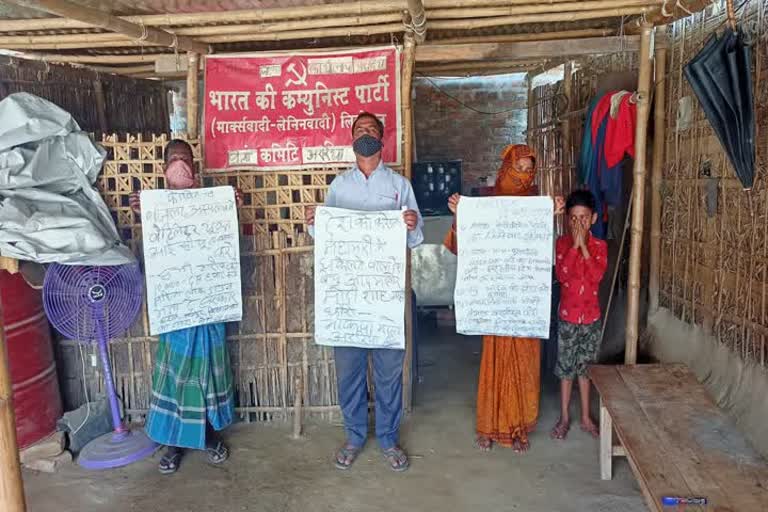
(504, 273)
(192, 257)
(359, 278)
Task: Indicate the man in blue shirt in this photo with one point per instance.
(371, 186)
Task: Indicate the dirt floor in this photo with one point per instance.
(269, 471)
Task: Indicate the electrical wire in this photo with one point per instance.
(85, 390)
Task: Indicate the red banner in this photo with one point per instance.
(295, 110)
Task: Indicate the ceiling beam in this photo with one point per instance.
(360, 8)
(93, 18)
(468, 68)
(526, 49)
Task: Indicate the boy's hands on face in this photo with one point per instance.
(576, 232)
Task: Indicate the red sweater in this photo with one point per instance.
(580, 279)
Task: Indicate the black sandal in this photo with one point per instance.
(171, 461)
(217, 453)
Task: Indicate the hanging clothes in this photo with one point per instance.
(586, 153)
(620, 135)
(608, 136)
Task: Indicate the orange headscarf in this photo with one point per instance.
(510, 181)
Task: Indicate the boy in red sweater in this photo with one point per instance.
(581, 261)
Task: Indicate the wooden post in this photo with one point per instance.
(409, 59)
(566, 124)
(531, 111)
(298, 397)
(638, 199)
(606, 443)
(193, 95)
(101, 105)
(11, 484)
(659, 145)
(95, 18)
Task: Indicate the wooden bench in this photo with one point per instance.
(678, 443)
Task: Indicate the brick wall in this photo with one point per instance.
(446, 130)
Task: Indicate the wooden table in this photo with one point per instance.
(677, 441)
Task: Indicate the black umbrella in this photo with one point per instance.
(721, 77)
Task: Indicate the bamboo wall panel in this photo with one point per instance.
(555, 175)
(130, 105)
(273, 346)
(714, 268)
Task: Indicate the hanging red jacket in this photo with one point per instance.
(620, 133)
(601, 110)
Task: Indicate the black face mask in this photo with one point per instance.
(366, 145)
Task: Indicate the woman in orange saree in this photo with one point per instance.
(508, 391)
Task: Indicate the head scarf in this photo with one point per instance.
(510, 181)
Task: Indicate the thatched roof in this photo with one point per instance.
(129, 35)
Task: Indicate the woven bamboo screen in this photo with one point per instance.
(553, 114)
(714, 265)
(130, 105)
(554, 174)
(272, 349)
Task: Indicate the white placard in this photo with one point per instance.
(504, 273)
(191, 257)
(359, 278)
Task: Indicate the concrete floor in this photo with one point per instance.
(268, 471)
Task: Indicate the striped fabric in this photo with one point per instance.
(191, 383)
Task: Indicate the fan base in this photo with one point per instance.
(116, 449)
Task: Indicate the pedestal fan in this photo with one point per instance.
(93, 304)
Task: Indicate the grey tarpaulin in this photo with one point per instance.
(49, 209)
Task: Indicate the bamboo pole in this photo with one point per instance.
(11, 484)
(298, 396)
(92, 59)
(101, 105)
(201, 18)
(638, 199)
(659, 144)
(531, 109)
(538, 36)
(193, 95)
(409, 60)
(141, 33)
(524, 19)
(74, 42)
(517, 10)
(121, 44)
(280, 13)
(312, 28)
(214, 30)
(125, 70)
(365, 30)
(566, 123)
(468, 67)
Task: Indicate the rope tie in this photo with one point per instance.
(683, 8)
(144, 32)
